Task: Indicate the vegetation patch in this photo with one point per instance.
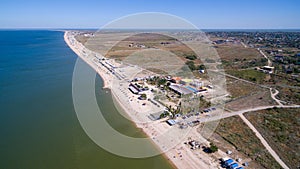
(191, 57)
(236, 132)
(248, 74)
(280, 127)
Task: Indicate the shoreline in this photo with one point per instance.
(106, 86)
(179, 156)
(78, 53)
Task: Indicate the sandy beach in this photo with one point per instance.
(180, 154)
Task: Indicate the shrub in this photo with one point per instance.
(191, 57)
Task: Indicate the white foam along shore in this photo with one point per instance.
(180, 155)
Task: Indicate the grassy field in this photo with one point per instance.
(245, 95)
(235, 132)
(249, 74)
(238, 57)
(289, 89)
(137, 42)
(232, 52)
(289, 94)
(239, 88)
(256, 99)
(281, 128)
(141, 47)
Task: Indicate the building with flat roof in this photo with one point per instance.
(180, 89)
(175, 79)
(268, 69)
(134, 89)
(171, 122)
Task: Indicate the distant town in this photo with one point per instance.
(281, 48)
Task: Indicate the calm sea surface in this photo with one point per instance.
(38, 124)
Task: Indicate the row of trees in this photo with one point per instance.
(193, 67)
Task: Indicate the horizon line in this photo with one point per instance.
(70, 28)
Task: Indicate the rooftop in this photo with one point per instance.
(180, 89)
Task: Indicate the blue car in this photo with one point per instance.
(233, 166)
(228, 162)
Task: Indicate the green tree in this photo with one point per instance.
(191, 65)
(191, 57)
(202, 67)
(163, 115)
(144, 96)
(162, 81)
(213, 148)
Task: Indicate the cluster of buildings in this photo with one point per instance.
(110, 66)
(262, 39)
(175, 84)
(225, 41)
(186, 86)
(282, 47)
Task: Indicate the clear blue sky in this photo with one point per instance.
(217, 14)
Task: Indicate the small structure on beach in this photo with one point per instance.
(134, 89)
(194, 144)
(171, 122)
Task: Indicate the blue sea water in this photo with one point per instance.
(38, 125)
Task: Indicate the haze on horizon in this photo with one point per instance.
(218, 14)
